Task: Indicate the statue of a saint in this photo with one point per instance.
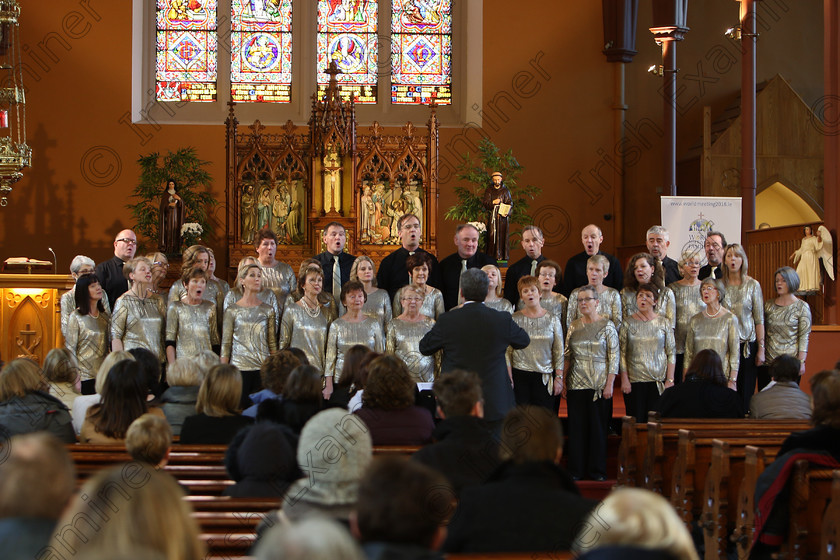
(171, 220)
(498, 201)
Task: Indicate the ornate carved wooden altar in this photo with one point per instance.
(295, 180)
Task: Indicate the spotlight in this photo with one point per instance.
(733, 33)
(656, 69)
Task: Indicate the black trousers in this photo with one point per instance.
(642, 398)
(88, 387)
(588, 421)
(251, 383)
(747, 373)
(679, 367)
(528, 388)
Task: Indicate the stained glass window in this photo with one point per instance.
(261, 50)
(185, 67)
(421, 51)
(347, 34)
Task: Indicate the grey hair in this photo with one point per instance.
(474, 284)
(717, 283)
(462, 227)
(535, 230)
(659, 229)
(790, 277)
(312, 539)
(79, 261)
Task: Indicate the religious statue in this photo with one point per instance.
(332, 166)
(171, 219)
(248, 214)
(812, 249)
(498, 201)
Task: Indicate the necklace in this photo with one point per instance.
(310, 311)
(716, 313)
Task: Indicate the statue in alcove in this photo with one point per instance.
(498, 201)
(171, 217)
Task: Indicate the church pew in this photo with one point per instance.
(227, 503)
(631, 452)
(755, 461)
(830, 541)
(809, 498)
(549, 555)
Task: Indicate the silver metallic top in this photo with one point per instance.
(666, 305)
(68, 306)
(609, 306)
(344, 334)
(377, 306)
(329, 307)
(224, 287)
(212, 293)
(248, 335)
(432, 304)
(545, 352)
(264, 295)
(193, 328)
(140, 323)
(500, 304)
(403, 339)
(719, 333)
(592, 354)
(87, 338)
(689, 303)
(647, 347)
(554, 304)
(300, 330)
(787, 329)
(747, 303)
(281, 280)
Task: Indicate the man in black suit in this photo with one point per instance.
(392, 273)
(575, 274)
(715, 246)
(110, 272)
(658, 240)
(532, 242)
(334, 258)
(467, 256)
(475, 338)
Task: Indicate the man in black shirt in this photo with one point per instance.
(110, 272)
(575, 274)
(657, 241)
(467, 256)
(532, 242)
(334, 258)
(392, 273)
(715, 246)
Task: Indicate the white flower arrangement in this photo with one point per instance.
(480, 226)
(192, 229)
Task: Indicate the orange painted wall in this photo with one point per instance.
(548, 94)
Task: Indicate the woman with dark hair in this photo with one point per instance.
(377, 303)
(548, 275)
(646, 340)
(419, 266)
(277, 275)
(348, 384)
(354, 327)
(78, 266)
(388, 407)
(825, 435)
(743, 297)
(196, 256)
(224, 287)
(644, 268)
(139, 317)
(218, 418)
(305, 323)
(787, 324)
(87, 330)
(191, 324)
(704, 392)
(325, 298)
(123, 401)
(274, 372)
(714, 328)
(302, 399)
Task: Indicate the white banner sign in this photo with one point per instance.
(688, 218)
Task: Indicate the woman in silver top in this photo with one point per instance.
(160, 268)
(537, 369)
(404, 334)
(643, 268)
(548, 272)
(248, 335)
(325, 299)
(354, 327)
(377, 304)
(494, 299)
(646, 340)
(277, 276)
(139, 319)
(419, 266)
(265, 294)
(78, 266)
(787, 321)
(609, 300)
(591, 364)
(305, 323)
(688, 304)
(198, 256)
(211, 274)
(191, 325)
(88, 329)
(714, 328)
(743, 297)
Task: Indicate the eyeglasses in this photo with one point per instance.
(588, 299)
(414, 299)
(159, 263)
(128, 241)
(708, 289)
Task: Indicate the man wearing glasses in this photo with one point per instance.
(392, 273)
(715, 246)
(110, 272)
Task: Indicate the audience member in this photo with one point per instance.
(825, 435)
(348, 384)
(591, 237)
(529, 503)
(311, 539)
(149, 440)
(703, 394)
(464, 450)
(388, 407)
(179, 400)
(25, 405)
(218, 418)
(467, 256)
(262, 463)
(83, 403)
(782, 398)
(302, 399)
(62, 373)
(274, 372)
(37, 480)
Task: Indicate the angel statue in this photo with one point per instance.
(813, 248)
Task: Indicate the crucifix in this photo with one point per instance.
(28, 345)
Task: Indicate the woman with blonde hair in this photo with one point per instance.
(494, 299)
(152, 517)
(305, 323)
(689, 303)
(25, 405)
(743, 297)
(632, 518)
(139, 317)
(265, 294)
(609, 300)
(179, 400)
(62, 373)
(218, 416)
(377, 303)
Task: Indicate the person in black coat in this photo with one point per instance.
(704, 393)
(334, 239)
(658, 240)
(532, 242)
(464, 450)
(261, 459)
(392, 274)
(110, 272)
(715, 245)
(575, 274)
(529, 503)
(825, 435)
(475, 338)
(218, 419)
(467, 255)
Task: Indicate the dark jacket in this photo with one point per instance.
(212, 430)
(23, 538)
(699, 398)
(111, 278)
(517, 270)
(465, 451)
(618, 552)
(327, 260)
(37, 412)
(407, 426)
(818, 438)
(293, 414)
(262, 462)
(575, 274)
(450, 274)
(532, 507)
(177, 404)
(393, 274)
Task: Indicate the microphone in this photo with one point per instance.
(55, 260)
